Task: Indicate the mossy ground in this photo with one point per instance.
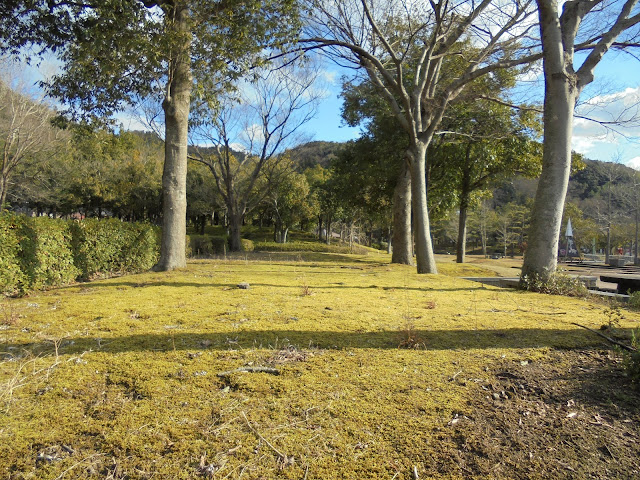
(118, 378)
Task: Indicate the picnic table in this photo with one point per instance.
(626, 282)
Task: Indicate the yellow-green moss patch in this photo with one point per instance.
(119, 378)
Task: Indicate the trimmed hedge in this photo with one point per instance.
(45, 253)
(206, 245)
(41, 252)
(105, 247)
(308, 247)
(11, 275)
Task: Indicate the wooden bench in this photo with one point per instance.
(626, 283)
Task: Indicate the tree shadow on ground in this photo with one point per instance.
(174, 339)
(255, 286)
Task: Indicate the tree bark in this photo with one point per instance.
(425, 260)
(462, 228)
(3, 191)
(235, 228)
(465, 193)
(328, 232)
(635, 253)
(174, 176)
(560, 98)
(401, 242)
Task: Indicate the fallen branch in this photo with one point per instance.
(609, 339)
(271, 370)
(280, 454)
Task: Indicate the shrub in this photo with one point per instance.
(307, 247)
(42, 252)
(143, 251)
(46, 257)
(11, 276)
(247, 245)
(200, 245)
(634, 300)
(632, 359)
(555, 284)
(206, 245)
(108, 246)
(220, 245)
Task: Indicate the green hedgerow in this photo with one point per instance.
(46, 257)
(11, 275)
(108, 246)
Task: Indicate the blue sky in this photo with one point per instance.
(617, 84)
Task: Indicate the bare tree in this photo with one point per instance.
(249, 130)
(594, 26)
(481, 219)
(504, 227)
(630, 199)
(25, 130)
(422, 56)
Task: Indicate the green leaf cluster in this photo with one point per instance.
(116, 52)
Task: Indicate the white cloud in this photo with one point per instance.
(606, 123)
(329, 76)
(634, 163)
(619, 111)
(532, 74)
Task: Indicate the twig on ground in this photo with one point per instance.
(59, 477)
(280, 454)
(609, 339)
(271, 370)
(415, 473)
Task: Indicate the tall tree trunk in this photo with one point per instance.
(462, 229)
(235, 228)
(401, 242)
(560, 98)
(464, 210)
(328, 232)
(635, 252)
(3, 191)
(174, 176)
(425, 261)
(607, 252)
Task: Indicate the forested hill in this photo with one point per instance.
(590, 183)
(597, 175)
(585, 184)
(314, 153)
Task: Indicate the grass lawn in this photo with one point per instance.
(382, 374)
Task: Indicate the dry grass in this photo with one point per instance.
(117, 378)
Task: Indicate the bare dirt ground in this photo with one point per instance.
(572, 415)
